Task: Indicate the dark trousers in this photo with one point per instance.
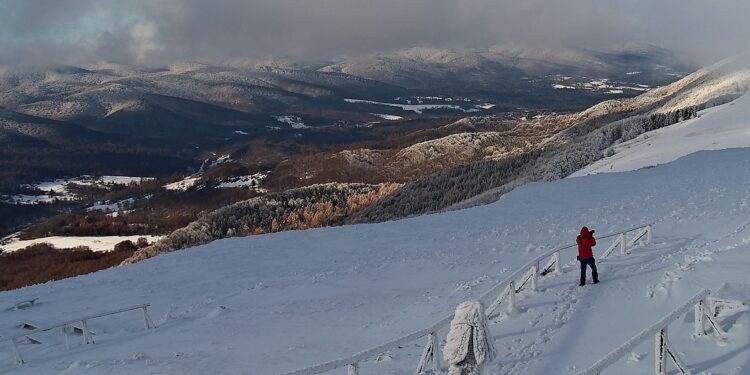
(591, 263)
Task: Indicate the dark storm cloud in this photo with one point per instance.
(155, 31)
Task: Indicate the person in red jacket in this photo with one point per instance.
(585, 242)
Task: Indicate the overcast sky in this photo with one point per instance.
(40, 32)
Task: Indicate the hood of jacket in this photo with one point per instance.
(585, 232)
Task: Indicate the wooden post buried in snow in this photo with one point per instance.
(16, 353)
(511, 297)
(662, 350)
(700, 326)
(352, 369)
(147, 319)
(429, 355)
(535, 277)
(87, 337)
(435, 355)
(558, 267)
(660, 358)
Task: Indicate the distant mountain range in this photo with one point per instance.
(176, 114)
(502, 69)
(468, 162)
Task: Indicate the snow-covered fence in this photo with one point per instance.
(662, 347)
(82, 323)
(505, 290)
(531, 271)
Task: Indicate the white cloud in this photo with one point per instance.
(143, 41)
(162, 30)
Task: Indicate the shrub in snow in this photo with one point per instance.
(468, 346)
(126, 245)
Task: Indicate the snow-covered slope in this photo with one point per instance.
(726, 126)
(273, 303)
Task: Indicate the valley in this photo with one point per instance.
(201, 138)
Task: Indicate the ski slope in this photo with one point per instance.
(274, 303)
(718, 128)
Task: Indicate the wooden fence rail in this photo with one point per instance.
(88, 338)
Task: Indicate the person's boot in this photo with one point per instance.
(596, 281)
(583, 282)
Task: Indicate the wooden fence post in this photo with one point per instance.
(352, 369)
(435, 353)
(511, 297)
(429, 354)
(16, 353)
(147, 319)
(660, 355)
(700, 326)
(535, 277)
(87, 338)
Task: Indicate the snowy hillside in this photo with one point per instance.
(726, 126)
(274, 303)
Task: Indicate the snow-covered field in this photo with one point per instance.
(416, 108)
(112, 207)
(102, 243)
(184, 184)
(59, 190)
(601, 84)
(273, 303)
(252, 181)
(278, 302)
(388, 117)
(726, 126)
(294, 121)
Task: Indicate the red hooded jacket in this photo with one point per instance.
(585, 242)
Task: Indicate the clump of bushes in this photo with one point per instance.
(43, 262)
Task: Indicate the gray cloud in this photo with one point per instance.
(157, 31)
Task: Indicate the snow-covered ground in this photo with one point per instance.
(416, 108)
(273, 303)
(103, 243)
(59, 190)
(388, 117)
(602, 84)
(726, 126)
(294, 121)
(252, 181)
(278, 302)
(184, 184)
(112, 207)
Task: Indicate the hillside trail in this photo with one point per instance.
(563, 327)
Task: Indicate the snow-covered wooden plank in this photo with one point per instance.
(25, 304)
